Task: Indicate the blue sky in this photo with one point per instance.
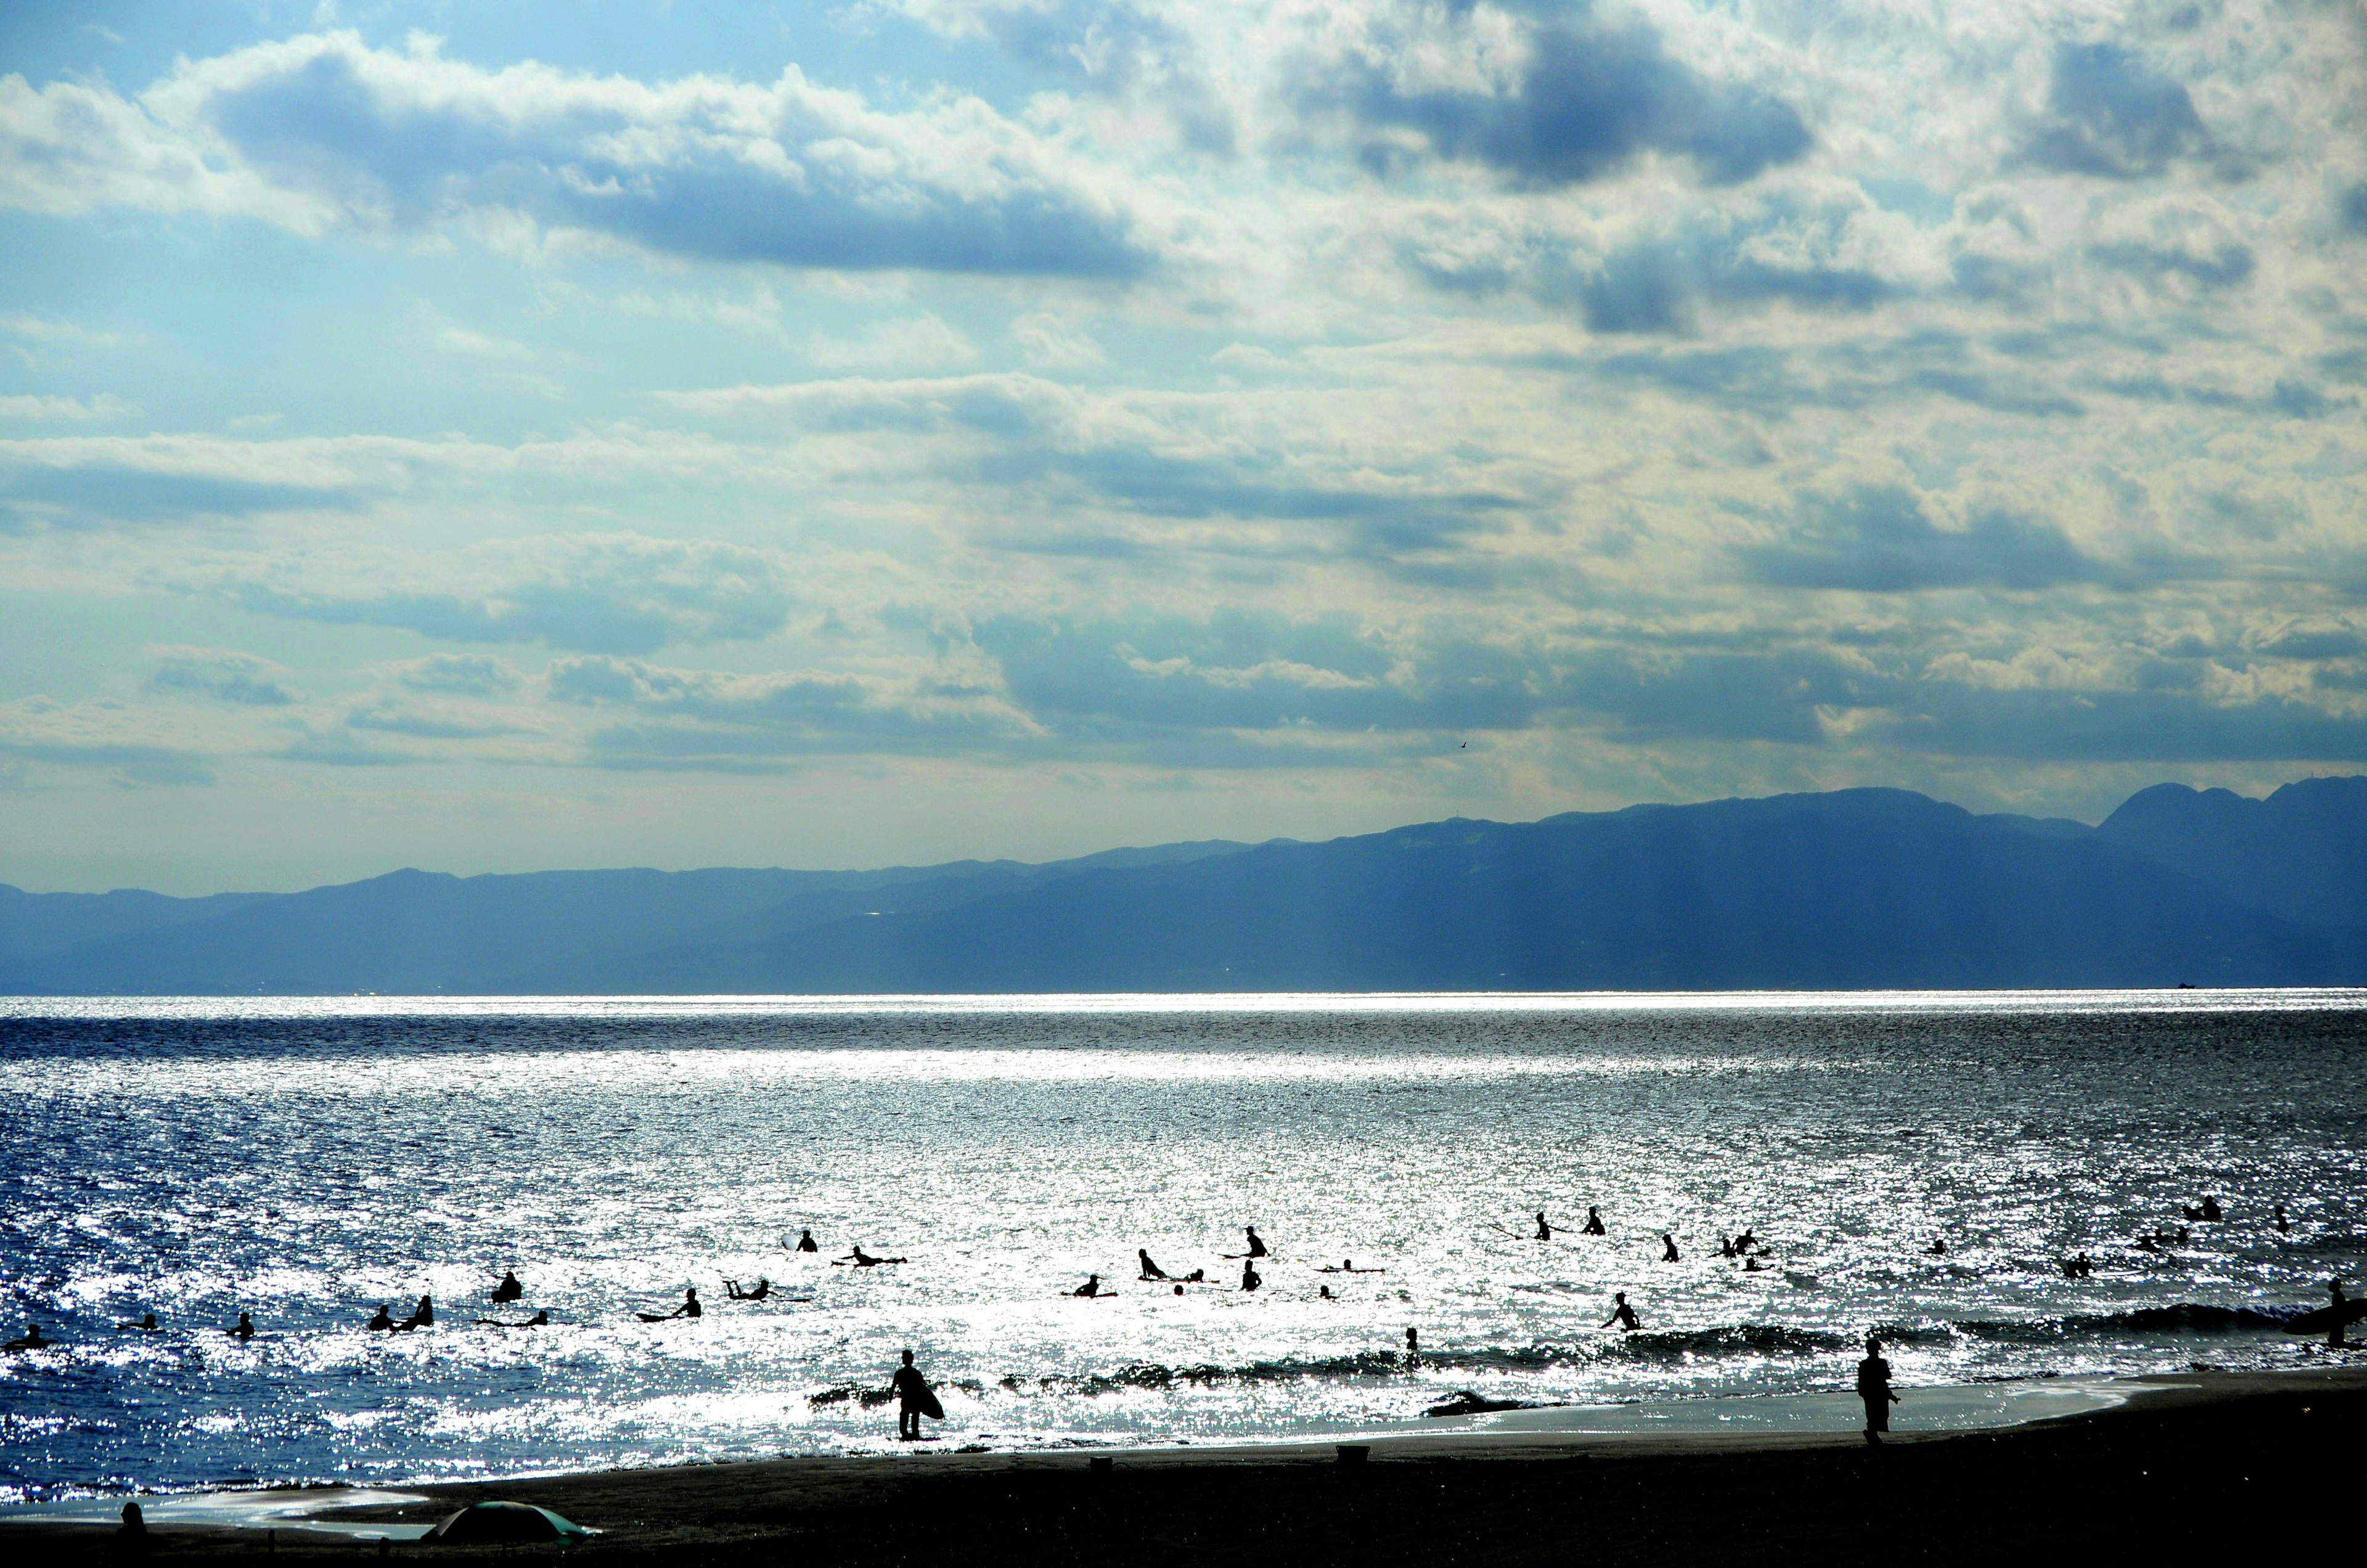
(494, 438)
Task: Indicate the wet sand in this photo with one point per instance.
(2254, 1464)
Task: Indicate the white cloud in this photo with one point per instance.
(923, 342)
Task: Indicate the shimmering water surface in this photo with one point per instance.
(306, 1160)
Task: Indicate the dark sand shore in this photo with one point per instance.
(2257, 1465)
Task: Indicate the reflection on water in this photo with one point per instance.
(307, 1160)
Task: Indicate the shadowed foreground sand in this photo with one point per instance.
(2255, 1466)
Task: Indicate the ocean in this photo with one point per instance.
(305, 1161)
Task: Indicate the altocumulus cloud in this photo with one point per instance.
(1587, 98)
(603, 593)
(224, 674)
(2111, 114)
(1881, 539)
(324, 130)
(716, 721)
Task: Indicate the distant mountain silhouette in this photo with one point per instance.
(1857, 888)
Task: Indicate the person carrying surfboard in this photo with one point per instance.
(914, 1399)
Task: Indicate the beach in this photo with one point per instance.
(2186, 1463)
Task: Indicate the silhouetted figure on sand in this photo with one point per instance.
(1668, 1248)
(732, 1291)
(806, 1242)
(135, 1525)
(147, 1325)
(243, 1328)
(380, 1319)
(1545, 1231)
(1092, 1286)
(1251, 1278)
(1594, 1225)
(2340, 1304)
(914, 1399)
(540, 1320)
(29, 1341)
(1873, 1387)
(1150, 1270)
(1623, 1315)
(509, 1290)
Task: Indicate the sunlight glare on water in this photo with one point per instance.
(306, 1160)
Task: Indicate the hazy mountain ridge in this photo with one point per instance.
(1848, 889)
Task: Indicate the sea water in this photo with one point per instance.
(306, 1160)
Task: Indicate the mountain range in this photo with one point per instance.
(1850, 890)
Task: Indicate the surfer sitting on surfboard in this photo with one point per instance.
(1594, 1225)
(914, 1399)
(1092, 1286)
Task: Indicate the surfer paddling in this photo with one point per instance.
(863, 1259)
(914, 1399)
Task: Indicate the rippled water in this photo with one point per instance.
(306, 1160)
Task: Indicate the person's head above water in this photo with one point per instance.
(1873, 1346)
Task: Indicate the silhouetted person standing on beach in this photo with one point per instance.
(1594, 1225)
(1623, 1315)
(1668, 1248)
(911, 1392)
(1150, 1270)
(1873, 1387)
(2340, 1305)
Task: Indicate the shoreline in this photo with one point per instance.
(843, 1507)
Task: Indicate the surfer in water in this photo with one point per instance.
(422, 1317)
(1348, 1266)
(1413, 1348)
(689, 1308)
(2284, 1225)
(913, 1400)
(1594, 1225)
(147, 1325)
(1257, 1247)
(509, 1290)
(1668, 1248)
(1873, 1387)
(863, 1259)
(1545, 1231)
(380, 1319)
(1622, 1313)
(805, 1243)
(244, 1329)
(1197, 1277)
(1092, 1286)
(1251, 1278)
(29, 1341)
(1938, 1248)
(1150, 1270)
(764, 1289)
(540, 1320)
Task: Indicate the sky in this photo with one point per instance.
(496, 438)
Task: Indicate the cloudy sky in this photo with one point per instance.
(580, 433)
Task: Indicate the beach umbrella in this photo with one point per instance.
(504, 1524)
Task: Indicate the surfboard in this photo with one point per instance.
(927, 1404)
(2327, 1317)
